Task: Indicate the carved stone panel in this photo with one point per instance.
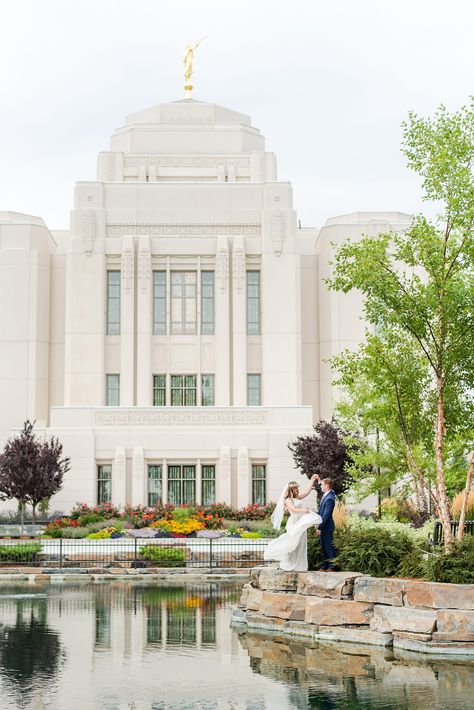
(278, 232)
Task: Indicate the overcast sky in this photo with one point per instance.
(327, 82)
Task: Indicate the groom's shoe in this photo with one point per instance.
(323, 569)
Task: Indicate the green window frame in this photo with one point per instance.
(183, 390)
(207, 390)
(104, 483)
(181, 484)
(159, 390)
(259, 483)
(155, 484)
(208, 480)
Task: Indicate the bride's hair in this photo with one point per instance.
(293, 490)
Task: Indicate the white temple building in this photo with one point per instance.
(177, 336)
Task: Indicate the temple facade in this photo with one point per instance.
(177, 336)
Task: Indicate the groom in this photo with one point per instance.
(326, 527)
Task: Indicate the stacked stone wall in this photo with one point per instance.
(347, 606)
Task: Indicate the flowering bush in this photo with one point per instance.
(254, 511)
(175, 527)
(211, 521)
(105, 533)
(105, 511)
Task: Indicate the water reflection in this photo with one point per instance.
(144, 646)
(353, 677)
(30, 651)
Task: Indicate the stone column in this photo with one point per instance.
(139, 477)
(119, 477)
(243, 480)
(239, 324)
(144, 323)
(127, 324)
(224, 476)
(222, 324)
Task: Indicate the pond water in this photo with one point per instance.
(139, 645)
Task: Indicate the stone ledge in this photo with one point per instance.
(388, 619)
(454, 625)
(272, 579)
(379, 590)
(337, 612)
(335, 585)
(439, 595)
(283, 606)
(357, 635)
(434, 647)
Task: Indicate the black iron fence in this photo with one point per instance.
(132, 552)
(438, 537)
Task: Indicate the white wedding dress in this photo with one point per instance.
(291, 549)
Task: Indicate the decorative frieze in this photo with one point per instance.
(144, 265)
(222, 265)
(186, 161)
(127, 266)
(133, 417)
(185, 229)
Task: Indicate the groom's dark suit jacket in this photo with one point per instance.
(325, 511)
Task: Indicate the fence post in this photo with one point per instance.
(210, 552)
(60, 552)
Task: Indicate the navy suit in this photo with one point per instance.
(327, 528)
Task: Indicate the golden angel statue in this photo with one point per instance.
(188, 60)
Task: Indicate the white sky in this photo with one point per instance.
(328, 84)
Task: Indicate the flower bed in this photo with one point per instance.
(163, 520)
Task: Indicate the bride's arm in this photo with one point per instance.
(310, 488)
(293, 509)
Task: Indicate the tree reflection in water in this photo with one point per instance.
(31, 653)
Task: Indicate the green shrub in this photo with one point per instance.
(267, 530)
(27, 552)
(89, 518)
(250, 535)
(74, 533)
(164, 556)
(181, 515)
(412, 565)
(315, 557)
(376, 552)
(456, 566)
(102, 524)
(56, 532)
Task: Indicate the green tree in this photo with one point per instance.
(418, 289)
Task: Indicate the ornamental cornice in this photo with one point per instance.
(131, 417)
(183, 229)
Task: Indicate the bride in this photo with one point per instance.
(290, 549)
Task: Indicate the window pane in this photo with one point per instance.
(112, 391)
(104, 483)
(208, 484)
(183, 301)
(253, 390)
(113, 302)
(253, 302)
(159, 390)
(174, 492)
(207, 390)
(154, 484)
(259, 484)
(159, 303)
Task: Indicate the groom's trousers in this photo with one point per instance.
(327, 547)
